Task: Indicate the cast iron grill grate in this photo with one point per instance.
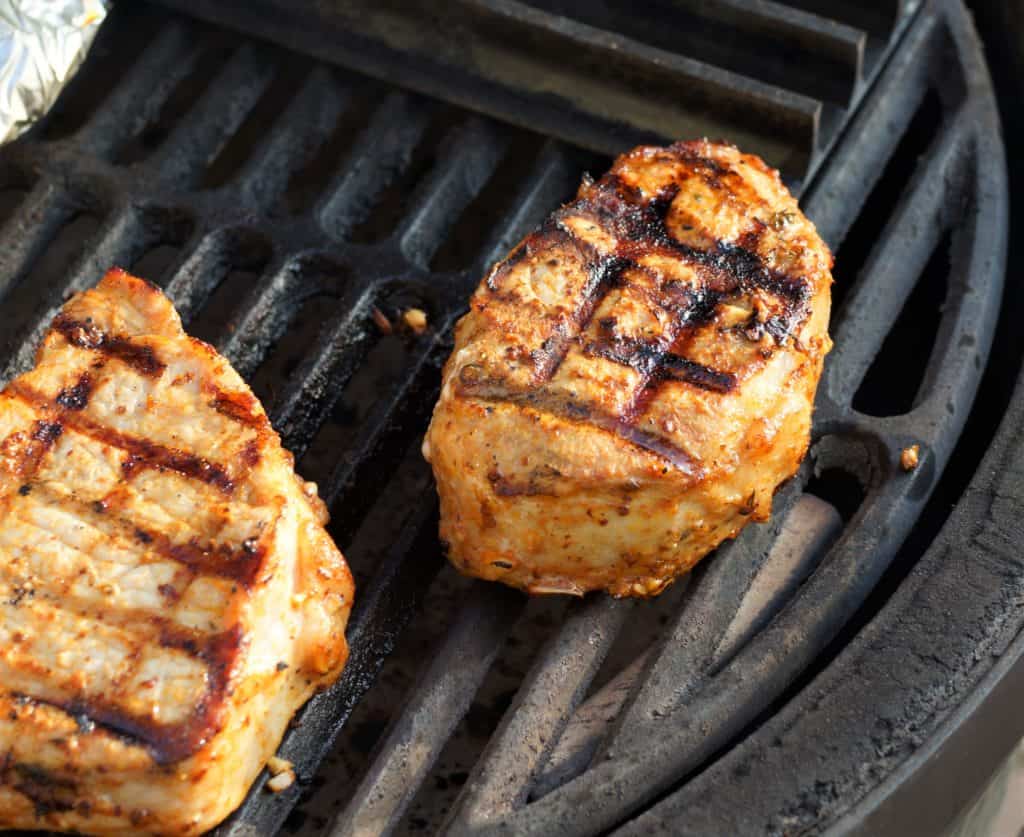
(284, 205)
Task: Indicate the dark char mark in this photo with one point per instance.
(47, 432)
(86, 335)
(76, 397)
(167, 743)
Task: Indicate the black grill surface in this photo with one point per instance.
(293, 211)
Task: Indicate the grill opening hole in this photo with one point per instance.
(391, 203)
(290, 74)
(309, 180)
(358, 440)
(840, 488)
(169, 231)
(383, 367)
(894, 381)
(874, 215)
(215, 48)
(119, 44)
(483, 215)
(246, 255)
(300, 336)
(51, 270)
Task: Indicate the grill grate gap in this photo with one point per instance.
(291, 71)
(215, 317)
(358, 531)
(479, 219)
(290, 349)
(169, 230)
(119, 44)
(892, 383)
(542, 617)
(386, 455)
(308, 181)
(384, 365)
(49, 273)
(840, 488)
(355, 747)
(215, 48)
(390, 205)
(856, 247)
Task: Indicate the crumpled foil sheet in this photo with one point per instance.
(42, 43)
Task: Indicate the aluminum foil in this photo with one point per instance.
(42, 43)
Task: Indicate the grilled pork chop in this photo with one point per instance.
(635, 379)
(168, 594)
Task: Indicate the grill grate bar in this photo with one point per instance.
(384, 147)
(202, 271)
(886, 113)
(43, 211)
(307, 121)
(318, 382)
(549, 182)
(199, 137)
(135, 102)
(467, 158)
(550, 692)
(264, 316)
(575, 81)
(439, 700)
(381, 610)
(805, 533)
(896, 263)
(690, 650)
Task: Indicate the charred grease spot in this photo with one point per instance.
(76, 397)
(250, 455)
(169, 592)
(47, 432)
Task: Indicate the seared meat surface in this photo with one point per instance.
(168, 594)
(635, 379)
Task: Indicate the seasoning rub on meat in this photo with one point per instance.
(633, 382)
(168, 594)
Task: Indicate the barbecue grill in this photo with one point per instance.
(824, 671)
